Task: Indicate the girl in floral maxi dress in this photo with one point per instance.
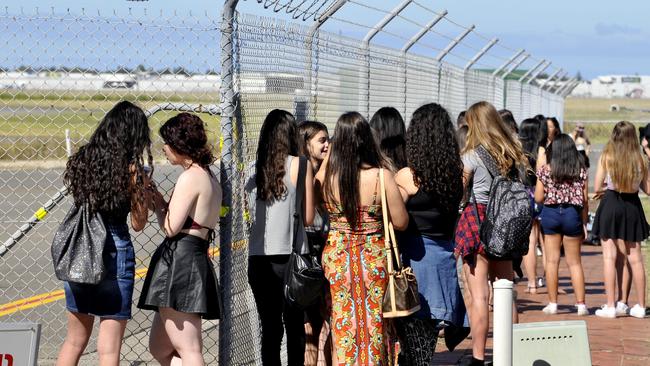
(354, 259)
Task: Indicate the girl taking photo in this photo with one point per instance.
(181, 284)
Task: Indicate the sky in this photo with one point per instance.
(596, 37)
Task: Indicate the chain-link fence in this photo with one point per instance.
(61, 72)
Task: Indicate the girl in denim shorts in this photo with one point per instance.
(562, 188)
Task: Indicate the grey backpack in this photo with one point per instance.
(509, 216)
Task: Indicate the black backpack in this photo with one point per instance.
(508, 219)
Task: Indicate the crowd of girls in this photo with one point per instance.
(437, 184)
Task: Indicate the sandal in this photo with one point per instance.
(531, 289)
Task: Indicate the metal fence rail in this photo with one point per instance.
(61, 71)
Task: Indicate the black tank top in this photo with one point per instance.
(426, 218)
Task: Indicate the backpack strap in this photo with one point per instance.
(300, 202)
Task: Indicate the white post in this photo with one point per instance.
(502, 329)
(68, 143)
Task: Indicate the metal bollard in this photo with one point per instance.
(502, 328)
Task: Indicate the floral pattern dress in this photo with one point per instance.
(355, 266)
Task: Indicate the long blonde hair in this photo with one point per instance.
(488, 130)
(622, 157)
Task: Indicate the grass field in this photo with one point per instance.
(34, 127)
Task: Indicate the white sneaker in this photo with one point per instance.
(582, 310)
(538, 251)
(606, 312)
(550, 309)
(637, 311)
(621, 308)
(540, 282)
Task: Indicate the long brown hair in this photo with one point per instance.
(278, 139)
(488, 130)
(354, 146)
(622, 157)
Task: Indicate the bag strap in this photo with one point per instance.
(300, 202)
(390, 243)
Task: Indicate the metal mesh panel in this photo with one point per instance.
(61, 75)
(452, 89)
(513, 100)
(480, 86)
(62, 72)
(421, 83)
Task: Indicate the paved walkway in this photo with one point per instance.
(624, 341)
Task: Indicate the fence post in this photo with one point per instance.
(454, 43)
(502, 322)
(510, 60)
(550, 78)
(532, 70)
(227, 104)
(413, 40)
(365, 45)
(480, 54)
(534, 76)
(309, 44)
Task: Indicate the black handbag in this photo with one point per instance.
(304, 278)
(78, 247)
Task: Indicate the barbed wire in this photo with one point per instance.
(297, 9)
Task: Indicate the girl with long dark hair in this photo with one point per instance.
(562, 188)
(181, 284)
(620, 222)
(273, 191)
(107, 174)
(530, 135)
(554, 130)
(389, 126)
(313, 142)
(354, 258)
(431, 187)
(488, 138)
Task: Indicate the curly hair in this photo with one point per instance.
(185, 134)
(100, 173)
(434, 156)
(278, 139)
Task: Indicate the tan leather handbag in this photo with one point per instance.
(401, 298)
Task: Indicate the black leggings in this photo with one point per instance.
(266, 278)
(417, 340)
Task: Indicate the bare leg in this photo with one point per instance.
(530, 259)
(609, 269)
(503, 270)
(574, 262)
(477, 277)
(80, 327)
(184, 331)
(467, 295)
(160, 346)
(635, 258)
(552, 248)
(109, 341)
(623, 277)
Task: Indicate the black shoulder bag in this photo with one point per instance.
(304, 278)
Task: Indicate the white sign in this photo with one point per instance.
(19, 344)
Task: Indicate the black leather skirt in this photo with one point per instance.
(181, 276)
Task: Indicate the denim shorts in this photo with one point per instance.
(561, 219)
(112, 297)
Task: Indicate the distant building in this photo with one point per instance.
(614, 86)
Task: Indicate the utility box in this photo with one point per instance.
(551, 344)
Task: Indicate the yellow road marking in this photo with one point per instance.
(46, 298)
